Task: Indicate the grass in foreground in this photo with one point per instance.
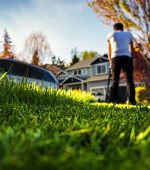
(45, 129)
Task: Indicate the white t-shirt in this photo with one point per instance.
(120, 41)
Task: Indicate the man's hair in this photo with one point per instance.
(118, 26)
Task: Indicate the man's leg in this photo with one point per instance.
(128, 69)
(116, 68)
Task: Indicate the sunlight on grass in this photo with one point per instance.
(38, 124)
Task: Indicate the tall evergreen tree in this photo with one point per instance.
(7, 46)
(75, 58)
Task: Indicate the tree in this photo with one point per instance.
(54, 60)
(37, 44)
(7, 46)
(134, 14)
(88, 54)
(75, 58)
(35, 58)
(141, 69)
(58, 62)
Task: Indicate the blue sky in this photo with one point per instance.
(66, 23)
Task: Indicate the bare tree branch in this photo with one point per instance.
(37, 42)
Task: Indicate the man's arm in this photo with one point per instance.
(109, 53)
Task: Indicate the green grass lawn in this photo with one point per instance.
(49, 129)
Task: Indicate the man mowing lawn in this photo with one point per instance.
(120, 52)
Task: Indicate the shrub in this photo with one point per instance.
(140, 94)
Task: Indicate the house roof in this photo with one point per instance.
(71, 77)
(100, 59)
(53, 68)
(85, 63)
(61, 72)
(97, 78)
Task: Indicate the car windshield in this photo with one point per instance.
(25, 70)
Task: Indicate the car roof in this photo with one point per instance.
(20, 68)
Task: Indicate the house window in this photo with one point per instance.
(84, 71)
(101, 69)
(75, 72)
(79, 72)
(61, 77)
(70, 73)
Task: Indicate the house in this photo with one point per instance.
(90, 75)
(55, 69)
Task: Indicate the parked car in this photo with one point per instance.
(20, 71)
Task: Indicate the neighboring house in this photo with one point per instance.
(61, 76)
(55, 69)
(21, 71)
(89, 75)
